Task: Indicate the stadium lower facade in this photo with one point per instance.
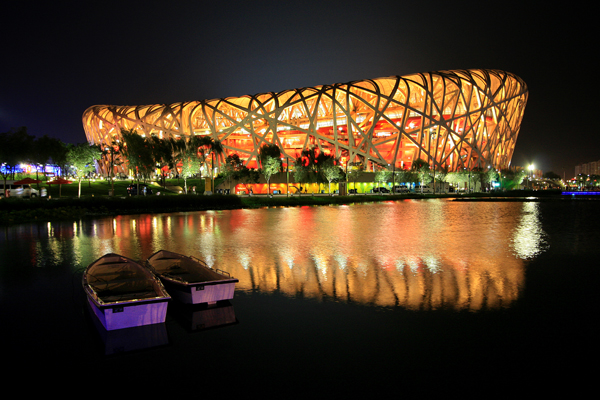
(459, 119)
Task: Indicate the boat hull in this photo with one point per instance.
(200, 293)
(130, 339)
(189, 280)
(124, 294)
(129, 315)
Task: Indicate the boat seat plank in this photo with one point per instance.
(112, 282)
(185, 269)
(124, 289)
(112, 297)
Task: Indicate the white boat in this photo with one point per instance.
(124, 294)
(189, 280)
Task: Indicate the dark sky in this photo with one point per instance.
(58, 58)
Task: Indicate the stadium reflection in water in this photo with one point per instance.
(413, 254)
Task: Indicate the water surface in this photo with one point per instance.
(339, 297)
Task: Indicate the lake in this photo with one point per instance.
(380, 298)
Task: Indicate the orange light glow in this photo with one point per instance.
(456, 119)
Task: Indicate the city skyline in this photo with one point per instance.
(64, 59)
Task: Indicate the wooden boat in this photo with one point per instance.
(124, 294)
(189, 280)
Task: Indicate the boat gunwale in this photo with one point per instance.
(162, 294)
(195, 260)
(194, 284)
(104, 304)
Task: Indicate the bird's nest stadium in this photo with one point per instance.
(460, 119)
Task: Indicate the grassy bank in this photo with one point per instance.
(102, 187)
(14, 210)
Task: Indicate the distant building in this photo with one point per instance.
(458, 120)
(591, 168)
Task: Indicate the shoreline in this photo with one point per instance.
(16, 211)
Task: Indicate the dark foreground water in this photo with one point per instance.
(462, 298)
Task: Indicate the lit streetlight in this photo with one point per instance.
(531, 175)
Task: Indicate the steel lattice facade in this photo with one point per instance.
(455, 119)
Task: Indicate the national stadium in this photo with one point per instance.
(453, 120)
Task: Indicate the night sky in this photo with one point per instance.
(59, 58)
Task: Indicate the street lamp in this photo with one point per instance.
(531, 175)
(287, 175)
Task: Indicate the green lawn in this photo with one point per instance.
(95, 201)
(102, 187)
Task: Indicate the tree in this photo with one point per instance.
(355, 170)
(164, 153)
(112, 156)
(306, 166)
(582, 180)
(270, 162)
(15, 146)
(331, 171)
(510, 179)
(138, 152)
(406, 176)
(268, 150)
(248, 176)
(552, 176)
(383, 175)
(485, 177)
(309, 165)
(270, 167)
(232, 168)
(81, 157)
(59, 156)
(439, 175)
(421, 167)
(208, 149)
(519, 177)
(190, 164)
(301, 172)
(321, 161)
(489, 176)
(216, 151)
(44, 149)
(459, 178)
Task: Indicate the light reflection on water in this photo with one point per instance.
(529, 240)
(414, 254)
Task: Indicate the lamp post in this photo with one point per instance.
(531, 175)
(394, 178)
(287, 175)
(110, 150)
(347, 191)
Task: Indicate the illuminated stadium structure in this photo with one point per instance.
(456, 119)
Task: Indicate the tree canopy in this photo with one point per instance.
(331, 170)
(421, 168)
(190, 162)
(15, 147)
(139, 154)
(82, 159)
(46, 149)
(112, 155)
(270, 162)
